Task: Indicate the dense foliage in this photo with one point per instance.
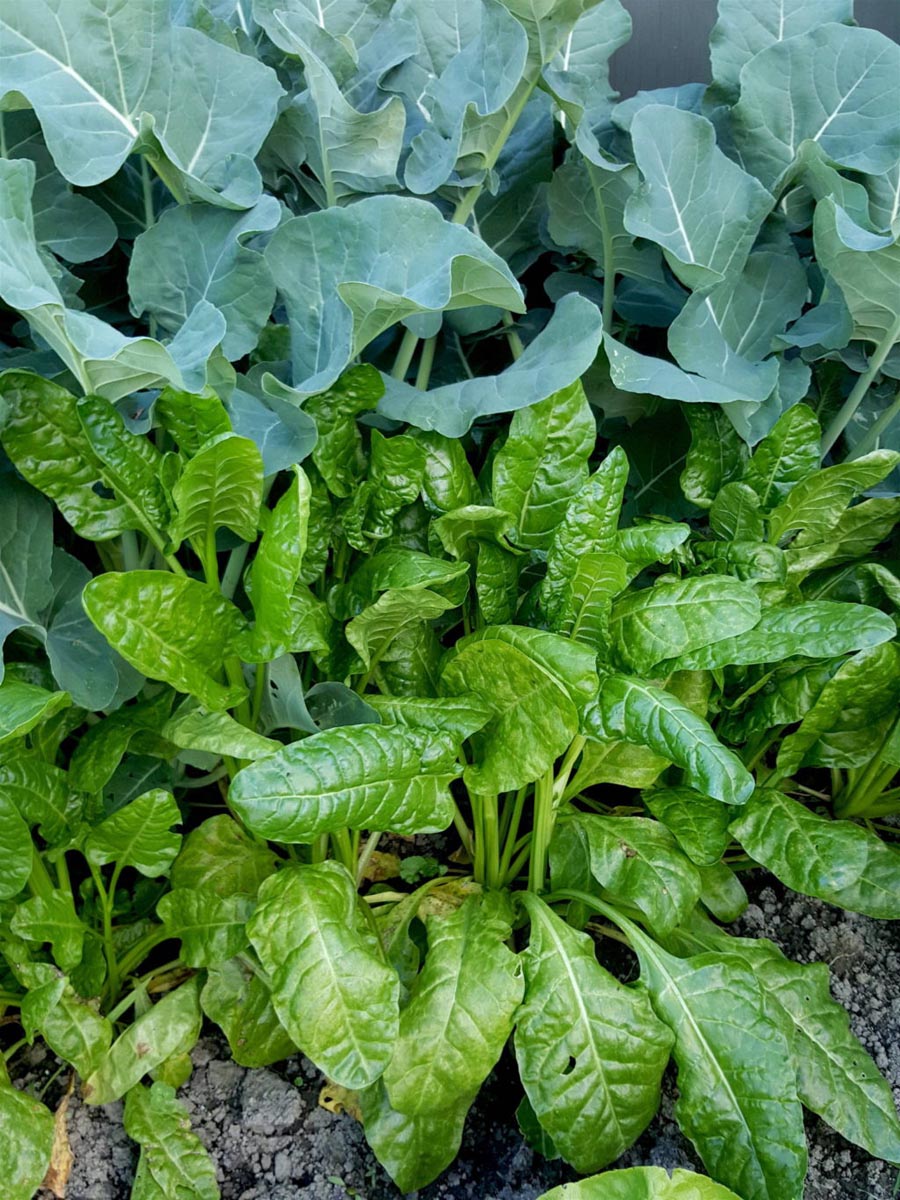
(401, 437)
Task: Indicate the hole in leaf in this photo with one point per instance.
(570, 1066)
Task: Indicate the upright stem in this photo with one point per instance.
(515, 342)
(404, 355)
(606, 236)
(170, 177)
(426, 360)
(490, 830)
(543, 831)
(856, 397)
(870, 440)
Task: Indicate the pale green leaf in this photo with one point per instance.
(240, 1003)
(220, 486)
(138, 835)
(171, 1153)
(219, 857)
(210, 927)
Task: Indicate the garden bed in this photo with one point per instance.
(270, 1139)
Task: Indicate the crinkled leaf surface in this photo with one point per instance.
(219, 857)
(26, 1141)
(699, 823)
(460, 1010)
(643, 1183)
(52, 918)
(331, 989)
(360, 776)
(171, 1153)
(276, 568)
(414, 1149)
(591, 1051)
(171, 628)
(646, 715)
(241, 1005)
(210, 927)
(138, 835)
(220, 486)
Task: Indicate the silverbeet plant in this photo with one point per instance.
(313, 541)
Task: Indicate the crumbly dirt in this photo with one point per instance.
(271, 1141)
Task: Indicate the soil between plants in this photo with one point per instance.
(270, 1140)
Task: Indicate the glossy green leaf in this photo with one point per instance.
(642, 1183)
(16, 847)
(463, 530)
(377, 627)
(534, 683)
(378, 261)
(216, 733)
(192, 420)
(706, 239)
(51, 918)
(734, 1071)
(715, 457)
(91, 77)
(209, 926)
(131, 462)
(40, 793)
(591, 1052)
(837, 861)
(170, 1027)
(338, 453)
(585, 616)
(736, 515)
(788, 453)
(814, 629)
(699, 823)
(496, 583)
(414, 1150)
(833, 85)
(643, 545)
(359, 776)
(172, 1155)
(448, 481)
(635, 860)
(26, 1141)
(277, 566)
(588, 526)
(646, 715)
(138, 835)
(543, 464)
(460, 716)
(219, 857)
(398, 568)
(241, 1005)
(676, 616)
(460, 1012)
(195, 252)
(71, 1027)
(220, 486)
(722, 893)
(101, 748)
(23, 706)
(333, 993)
(170, 628)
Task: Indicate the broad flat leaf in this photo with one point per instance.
(24, 706)
(396, 468)
(736, 1089)
(170, 1027)
(210, 927)
(94, 76)
(43, 436)
(723, 893)
(815, 504)
(219, 857)
(460, 716)
(241, 1005)
(618, 762)
(448, 481)
(837, 861)
(645, 715)
(856, 533)
(591, 1052)
(497, 583)
(131, 462)
(676, 616)
(71, 1027)
(558, 356)
(338, 453)
(836, 1077)
(360, 776)
(170, 628)
(26, 548)
(40, 792)
(462, 531)
(597, 579)
(191, 419)
(138, 835)
(715, 457)
(378, 261)
(332, 991)
(101, 358)
(377, 627)
(52, 919)
(216, 733)
(460, 1012)
(283, 433)
(864, 266)
(697, 204)
(814, 629)
(220, 486)
(747, 560)
(643, 545)
(16, 846)
(543, 464)
(195, 252)
(833, 85)
(171, 1153)
(413, 1149)
(743, 31)
(643, 1183)
(534, 683)
(635, 860)
(699, 823)
(26, 1141)
(102, 746)
(726, 333)
(631, 371)
(786, 455)
(589, 526)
